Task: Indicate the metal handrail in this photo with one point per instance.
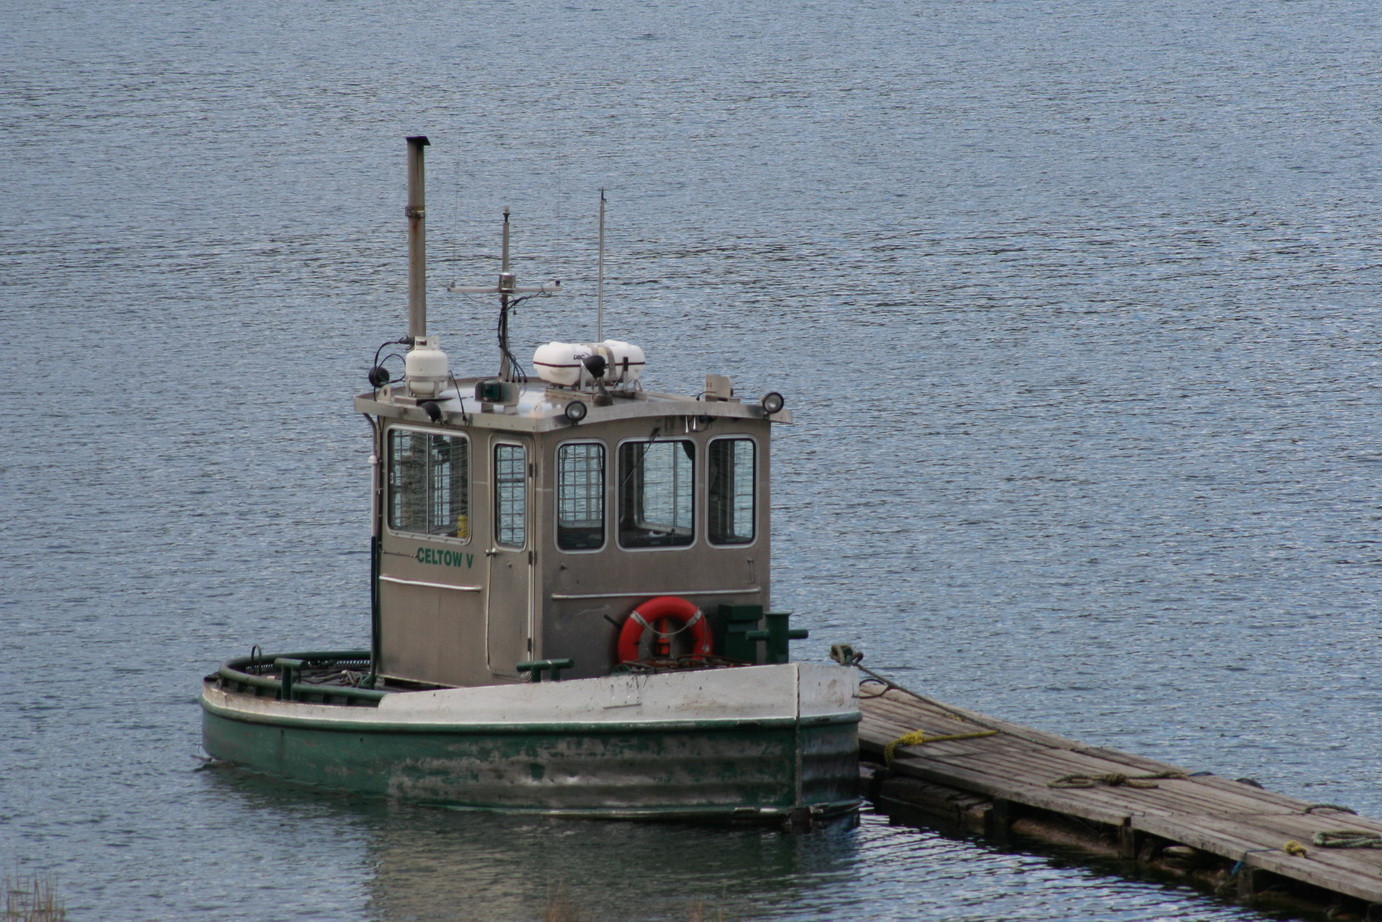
(236, 670)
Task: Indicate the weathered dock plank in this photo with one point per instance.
(1248, 838)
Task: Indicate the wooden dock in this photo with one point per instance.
(1230, 836)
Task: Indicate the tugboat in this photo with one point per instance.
(570, 602)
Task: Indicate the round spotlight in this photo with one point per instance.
(575, 411)
(772, 402)
(378, 376)
(432, 409)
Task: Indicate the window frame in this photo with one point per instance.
(753, 488)
(619, 493)
(602, 493)
(495, 503)
(389, 489)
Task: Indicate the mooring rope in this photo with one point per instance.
(846, 655)
(1347, 838)
(1114, 779)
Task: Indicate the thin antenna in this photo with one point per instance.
(504, 245)
(506, 289)
(600, 278)
(506, 285)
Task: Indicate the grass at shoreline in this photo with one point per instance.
(30, 898)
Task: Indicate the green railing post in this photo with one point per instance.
(536, 667)
(777, 635)
(738, 622)
(288, 671)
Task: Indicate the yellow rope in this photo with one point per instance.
(1292, 848)
(918, 737)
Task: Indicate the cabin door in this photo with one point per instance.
(509, 600)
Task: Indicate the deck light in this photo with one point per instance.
(772, 402)
(575, 411)
(432, 409)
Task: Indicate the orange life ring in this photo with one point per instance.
(664, 608)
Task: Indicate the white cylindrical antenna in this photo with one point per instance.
(417, 240)
(600, 278)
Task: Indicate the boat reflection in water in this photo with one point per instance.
(430, 863)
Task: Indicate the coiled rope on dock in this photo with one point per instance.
(1347, 838)
(1114, 779)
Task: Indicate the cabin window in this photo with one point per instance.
(730, 491)
(511, 495)
(580, 496)
(656, 493)
(429, 483)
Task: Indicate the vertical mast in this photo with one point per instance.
(506, 288)
(600, 278)
(417, 240)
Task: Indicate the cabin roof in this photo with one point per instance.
(540, 407)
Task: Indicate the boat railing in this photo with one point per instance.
(331, 677)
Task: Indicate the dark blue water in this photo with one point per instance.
(1076, 305)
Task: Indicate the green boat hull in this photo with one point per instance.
(764, 768)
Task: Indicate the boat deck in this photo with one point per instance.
(1230, 835)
